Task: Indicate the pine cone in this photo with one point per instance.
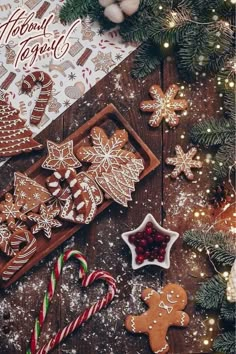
(219, 196)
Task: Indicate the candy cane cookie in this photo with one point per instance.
(22, 256)
(54, 186)
(45, 80)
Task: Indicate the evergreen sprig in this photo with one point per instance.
(216, 287)
(225, 343)
(146, 60)
(224, 253)
(227, 311)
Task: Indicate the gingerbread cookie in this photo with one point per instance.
(163, 106)
(28, 83)
(120, 183)
(21, 256)
(165, 310)
(5, 246)
(10, 211)
(45, 220)
(15, 137)
(184, 162)
(106, 153)
(29, 192)
(60, 156)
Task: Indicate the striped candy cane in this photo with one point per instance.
(55, 275)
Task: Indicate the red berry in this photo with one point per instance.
(149, 240)
(154, 231)
(151, 258)
(167, 238)
(159, 238)
(143, 243)
(147, 254)
(148, 230)
(160, 258)
(139, 235)
(163, 245)
(139, 250)
(149, 224)
(140, 259)
(132, 238)
(162, 251)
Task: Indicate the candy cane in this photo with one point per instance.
(22, 256)
(62, 334)
(40, 106)
(55, 275)
(53, 183)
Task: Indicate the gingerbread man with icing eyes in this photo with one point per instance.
(165, 310)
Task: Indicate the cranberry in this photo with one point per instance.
(154, 231)
(167, 238)
(143, 243)
(162, 251)
(159, 238)
(149, 240)
(147, 254)
(163, 245)
(140, 259)
(151, 258)
(149, 224)
(148, 230)
(132, 238)
(139, 250)
(139, 235)
(160, 258)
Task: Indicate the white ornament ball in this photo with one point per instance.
(231, 285)
(105, 3)
(129, 7)
(114, 13)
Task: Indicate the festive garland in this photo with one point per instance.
(212, 294)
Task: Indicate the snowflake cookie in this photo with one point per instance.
(184, 162)
(163, 106)
(10, 212)
(106, 153)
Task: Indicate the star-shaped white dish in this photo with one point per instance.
(173, 237)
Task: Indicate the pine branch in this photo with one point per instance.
(213, 132)
(228, 311)
(224, 159)
(225, 343)
(211, 293)
(147, 59)
(73, 9)
(224, 253)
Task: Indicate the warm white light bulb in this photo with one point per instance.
(166, 45)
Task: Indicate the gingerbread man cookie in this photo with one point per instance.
(165, 310)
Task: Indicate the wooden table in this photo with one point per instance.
(171, 202)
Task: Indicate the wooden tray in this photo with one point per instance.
(109, 119)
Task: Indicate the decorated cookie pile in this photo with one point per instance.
(36, 210)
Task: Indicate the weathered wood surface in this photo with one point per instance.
(171, 202)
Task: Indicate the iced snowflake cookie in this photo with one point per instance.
(45, 220)
(183, 162)
(163, 106)
(165, 310)
(106, 153)
(10, 212)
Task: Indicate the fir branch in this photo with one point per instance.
(225, 343)
(228, 310)
(73, 9)
(146, 60)
(224, 159)
(229, 105)
(213, 132)
(211, 293)
(224, 253)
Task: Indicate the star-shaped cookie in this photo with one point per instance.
(10, 211)
(106, 153)
(45, 220)
(60, 156)
(184, 162)
(163, 106)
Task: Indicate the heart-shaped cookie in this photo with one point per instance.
(89, 312)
